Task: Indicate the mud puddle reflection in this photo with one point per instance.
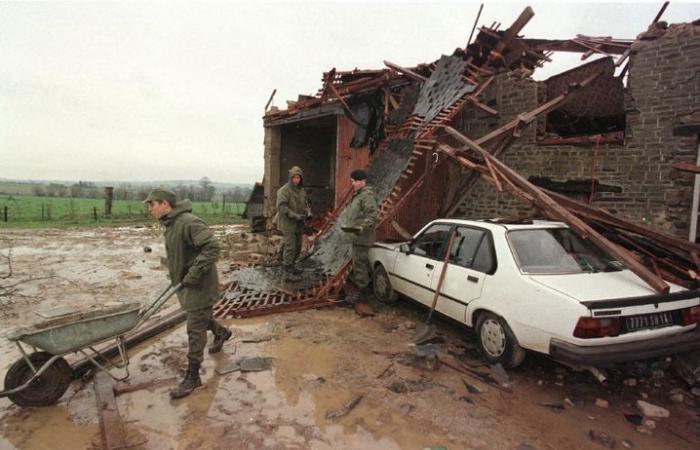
(284, 407)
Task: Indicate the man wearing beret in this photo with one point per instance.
(192, 251)
(292, 209)
(360, 227)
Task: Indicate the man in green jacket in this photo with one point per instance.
(292, 209)
(360, 229)
(192, 251)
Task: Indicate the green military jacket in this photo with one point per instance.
(291, 206)
(362, 213)
(192, 252)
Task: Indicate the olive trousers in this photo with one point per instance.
(360, 275)
(198, 322)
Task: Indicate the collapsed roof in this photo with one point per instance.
(419, 103)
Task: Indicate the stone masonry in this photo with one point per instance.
(663, 85)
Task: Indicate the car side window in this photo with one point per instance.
(472, 249)
(432, 241)
(485, 259)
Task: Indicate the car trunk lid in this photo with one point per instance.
(610, 289)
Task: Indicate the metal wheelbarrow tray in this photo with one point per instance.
(42, 377)
(84, 328)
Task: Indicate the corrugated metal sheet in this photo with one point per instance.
(347, 159)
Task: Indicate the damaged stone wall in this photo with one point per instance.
(664, 84)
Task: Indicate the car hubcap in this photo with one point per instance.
(493, 338)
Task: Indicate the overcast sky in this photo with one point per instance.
(142, 91)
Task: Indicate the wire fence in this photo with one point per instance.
(38, 211)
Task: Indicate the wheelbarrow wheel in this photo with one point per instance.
(46, 389)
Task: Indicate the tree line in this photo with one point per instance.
(204, 191)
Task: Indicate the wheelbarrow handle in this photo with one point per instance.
(153, 308)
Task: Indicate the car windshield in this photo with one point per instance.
(558, 250)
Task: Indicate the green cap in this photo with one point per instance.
(161, 194)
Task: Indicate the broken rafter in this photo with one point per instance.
(599, 215)
(687, 167)
(274, 91)
(554, 210)
(474, 27)
(408, 72)
(346, 107)
(525, 119)
(510, 131)
(612, 46)
(510, 34)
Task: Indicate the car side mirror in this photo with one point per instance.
(404, 248)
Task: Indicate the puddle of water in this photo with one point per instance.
(45, 428)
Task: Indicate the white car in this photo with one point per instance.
(537, 286)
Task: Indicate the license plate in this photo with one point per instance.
(648, 321)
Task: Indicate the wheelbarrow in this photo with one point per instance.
(40, 378)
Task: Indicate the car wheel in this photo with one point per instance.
(497, 342)
(382, 286)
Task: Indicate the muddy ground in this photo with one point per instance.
(321, 360)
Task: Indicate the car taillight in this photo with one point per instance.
(589, 327)
(690, 316)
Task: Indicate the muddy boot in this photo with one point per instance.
(218, 343)
(189, 384)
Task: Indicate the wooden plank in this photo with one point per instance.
(555, 211)
(601, 216)
(401, 230)
(346, 107)
(507, 139)
(408, 72)
(123, 387)
(510, 34)
(483, 107)
(549, 106)
(687, 167)
(111, 425)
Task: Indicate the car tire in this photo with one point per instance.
(381, 285)
(497, 342)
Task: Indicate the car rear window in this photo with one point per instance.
(558, 250)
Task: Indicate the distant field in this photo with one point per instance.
(14, 188)
(35, 212)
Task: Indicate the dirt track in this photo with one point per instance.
(321, 361)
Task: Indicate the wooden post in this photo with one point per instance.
(109, 196)
(223, 207)
(42, 212)
(94, 213)
(5, 213)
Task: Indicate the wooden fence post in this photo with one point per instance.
(109, 196)
(94, 213)
(5, 213)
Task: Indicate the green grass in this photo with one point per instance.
(39, 212)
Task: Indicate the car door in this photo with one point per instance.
(472, 259)
(414, 270)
